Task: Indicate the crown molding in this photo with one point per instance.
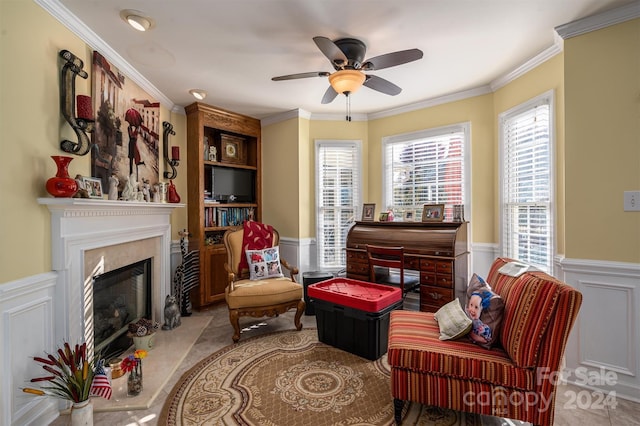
(69, 20)
(428, 103)
(529, 65)
(338, 117)
(599, 21)
(284, 116)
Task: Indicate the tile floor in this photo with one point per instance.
(218, 335)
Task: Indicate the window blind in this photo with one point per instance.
(526, 185)
(338, 189)
(425, 170)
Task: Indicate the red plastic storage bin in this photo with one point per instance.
(353, 315)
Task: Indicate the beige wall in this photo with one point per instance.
(31, 128)
(602, 71)
(280, 182)
(547, 76)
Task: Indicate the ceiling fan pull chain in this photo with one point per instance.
(348, 106)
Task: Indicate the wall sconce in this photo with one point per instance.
(175, 151)
(83, 122)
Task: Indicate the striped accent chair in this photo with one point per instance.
(516, 380)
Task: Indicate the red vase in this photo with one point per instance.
(62, 185)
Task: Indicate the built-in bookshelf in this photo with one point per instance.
(224, 188)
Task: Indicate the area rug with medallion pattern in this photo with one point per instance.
(288, 378)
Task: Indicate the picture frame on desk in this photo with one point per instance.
(433, 213)
(458, 213)
(368, 212)
(384, 217)
(232, 147)
(408, 216)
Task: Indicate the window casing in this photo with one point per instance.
(427, 167)
(338, 198)
(527, 182)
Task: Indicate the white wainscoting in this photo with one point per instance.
(27, 329)
(482, 256)
(300, 253)
(606, 337)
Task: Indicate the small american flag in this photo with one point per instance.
(101, 385)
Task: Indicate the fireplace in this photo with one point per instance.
(120, 297)
(90, 238)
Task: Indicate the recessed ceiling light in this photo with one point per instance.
(199, 94)
(137, 19)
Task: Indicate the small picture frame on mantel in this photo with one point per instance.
(93, 186)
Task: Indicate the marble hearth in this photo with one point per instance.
(90, 237)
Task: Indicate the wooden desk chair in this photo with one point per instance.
(389, 257)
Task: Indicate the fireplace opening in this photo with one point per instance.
(120, 297)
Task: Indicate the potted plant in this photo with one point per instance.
(74, 376)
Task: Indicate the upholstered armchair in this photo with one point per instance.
(255, 288)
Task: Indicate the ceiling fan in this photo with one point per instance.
(347, 57)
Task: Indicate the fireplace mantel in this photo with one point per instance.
(81, 226)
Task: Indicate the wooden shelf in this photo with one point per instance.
(230, 165)
(219, 127)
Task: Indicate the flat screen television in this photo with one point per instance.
(237, 182)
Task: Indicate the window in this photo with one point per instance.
(527, 182)
(427, 167)
(338, 198)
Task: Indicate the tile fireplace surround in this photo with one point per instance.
(90, 237)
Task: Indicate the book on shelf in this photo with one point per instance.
(226, 216)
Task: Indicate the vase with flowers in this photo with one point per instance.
(73, 375)
(133, 365)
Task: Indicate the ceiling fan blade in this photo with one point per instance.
(301, 75)
(392, 59)
(381, 85)
(331, 51)
(329, 95)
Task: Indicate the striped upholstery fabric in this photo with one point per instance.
(516, 382)
(415, 340)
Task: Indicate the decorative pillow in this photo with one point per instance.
(485, 308)
(453, 321)
(256, 236)
(264, 263)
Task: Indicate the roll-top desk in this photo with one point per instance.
(437, 250)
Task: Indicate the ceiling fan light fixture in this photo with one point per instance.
(137, 20)
(346, 80)
(199, 94)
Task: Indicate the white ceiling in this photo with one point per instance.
(232, 48)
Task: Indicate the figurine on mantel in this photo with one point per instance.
(156, 193)
(82, 191)
(146, 190)
(113, 187)
(129, 191)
